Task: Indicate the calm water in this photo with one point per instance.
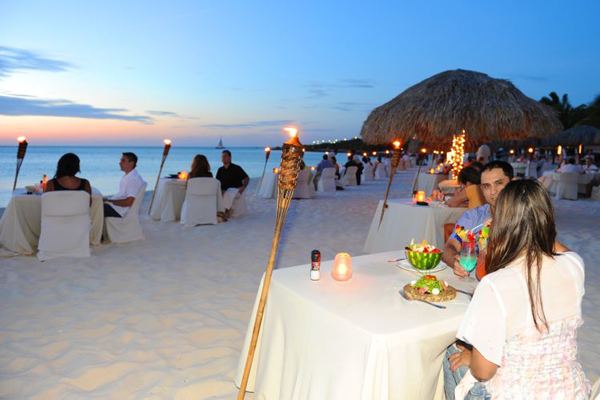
(101, 164)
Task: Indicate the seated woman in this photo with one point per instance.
(200, 167)
(520, 329)
(65, 179)
(470, 196)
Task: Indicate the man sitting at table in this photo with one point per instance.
(234, 181)
(470, 195)
(117, 205)
(494, 177)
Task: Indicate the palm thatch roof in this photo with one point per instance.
(579, 134)
(486, 108)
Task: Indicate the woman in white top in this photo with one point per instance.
(520, 328)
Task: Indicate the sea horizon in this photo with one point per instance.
(99, 163)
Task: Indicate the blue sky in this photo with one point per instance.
(137, 71)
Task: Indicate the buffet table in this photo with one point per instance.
(404, 221)
(351, 340)
(169, 200)
(20, 225)
(428, 182)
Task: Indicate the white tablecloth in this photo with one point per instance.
(351, 340)
(550, 179)
(169, 200)
(21, 222)
(428, 182)
(404, 221)
(268, 187)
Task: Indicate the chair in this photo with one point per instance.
(203, 200)
(65, 228)
(128, 228)
(303, 185)
(596, 193)
(349, 178)
(239, 208)
(368, 172)
(380, 172)
(566, 185)
(596, 390)
(327, 180)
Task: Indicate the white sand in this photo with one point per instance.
(165, 318)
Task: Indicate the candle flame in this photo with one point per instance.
(396, 144)
(21, 139)
(530, 150)
(364, 154)
(374, 153)
(423, 150)
(348, 154)
(512, 151)
(167, 142)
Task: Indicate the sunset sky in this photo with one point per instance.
(115, 72)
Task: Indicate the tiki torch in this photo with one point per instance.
(20, 157)
(267, 155)
(290, 165)
(166, 149)
(394, 165)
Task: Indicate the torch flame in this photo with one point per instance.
(291, 130)
(396, 144)
(21, 139)
(530, 150)
(267, 149)
(167, 141)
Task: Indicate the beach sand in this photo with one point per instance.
(165, 318)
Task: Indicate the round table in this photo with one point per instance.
(169, 200)
(21, 223)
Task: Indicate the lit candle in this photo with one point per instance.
(387, 152)
(530, 150)
(342, 267)
(423, 150)
(511, 151)
(374, 153)
(432, 171)
(364, 154)
(580, 149)
(349, 154)
(420, 196)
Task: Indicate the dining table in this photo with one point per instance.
(20, 225)
(169, 200)
(352, 340)
(404, 221)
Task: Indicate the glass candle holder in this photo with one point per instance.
(420, 197)
(342, 267)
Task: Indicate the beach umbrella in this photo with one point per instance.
(441, 106)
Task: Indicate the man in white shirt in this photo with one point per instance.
(118, 204)
(570, 166)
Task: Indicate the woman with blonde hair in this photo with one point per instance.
(519, 333)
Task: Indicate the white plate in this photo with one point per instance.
(404, 264)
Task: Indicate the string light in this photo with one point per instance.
(458, 154)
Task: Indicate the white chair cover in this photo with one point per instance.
(239, 208)
(65, 229)
(596, 193)
(566, 187)
(368, 172)
(202, 201)
(380, 172)
(303, 185)
(128, 228)
(327, 180)
(349, 178)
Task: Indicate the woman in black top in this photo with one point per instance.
(200, 167)
(65, 179)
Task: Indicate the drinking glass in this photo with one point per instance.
(468, 256)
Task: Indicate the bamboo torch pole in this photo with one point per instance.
(166, 149)
(394, 166)
(290, 158)
(20, 157)
(267, 155)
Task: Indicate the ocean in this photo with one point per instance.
(100, 165)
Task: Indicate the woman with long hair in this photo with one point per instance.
(65, 179)
(520, 329)
(200, 167)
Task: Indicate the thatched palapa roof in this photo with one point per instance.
(579, 134)
(486, 108)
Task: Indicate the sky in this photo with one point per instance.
(135, 72)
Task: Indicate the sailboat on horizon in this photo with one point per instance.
(220, 144)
